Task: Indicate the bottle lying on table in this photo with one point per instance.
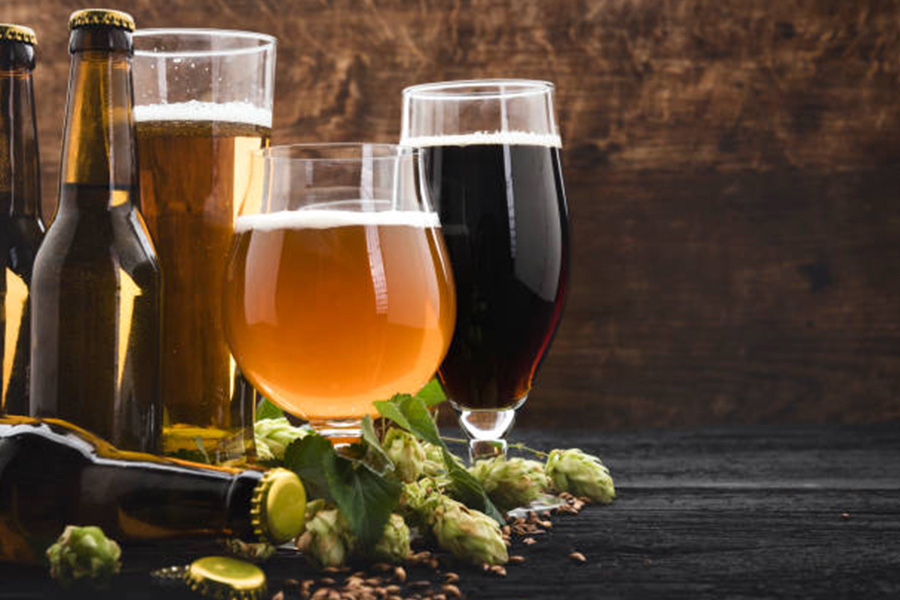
(53, 474)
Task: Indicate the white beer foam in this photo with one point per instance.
(317, 218)
(485, 138)
(228, 112)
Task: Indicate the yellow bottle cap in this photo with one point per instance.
(224, 578)
(17, 33)
(102, 17)
(278, 507)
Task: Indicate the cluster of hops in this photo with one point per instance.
(328, 541)
(427, 502)
(83, 555)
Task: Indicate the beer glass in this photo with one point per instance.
(203, 103)
(338, 289)
(491, 168)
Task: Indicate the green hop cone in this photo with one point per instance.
(393, 547)
(511, 482)
(327, 539)
(406, 452)
(274, 435)
(83, 554)
(434, 460)
(254, 552)
(581, 474)
(467, 534)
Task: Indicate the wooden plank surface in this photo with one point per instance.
(731, 169)
(751, 512)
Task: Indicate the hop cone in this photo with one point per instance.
(274, 435)
(406, 452)
(83, 554)
(434, 460)
(255, 552)
(581, 474)
(467, 534)
(511, 482)
(393, 546)
(327, 539)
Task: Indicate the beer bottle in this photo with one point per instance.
(21, 227)
(53, 474)
(96, 285)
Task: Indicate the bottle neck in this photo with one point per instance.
(20, 192)
(98, 143)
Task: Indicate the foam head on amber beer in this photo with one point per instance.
(329, 309)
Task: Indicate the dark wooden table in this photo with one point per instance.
(756, 512)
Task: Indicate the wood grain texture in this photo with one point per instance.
(733, 512)
(732, 171)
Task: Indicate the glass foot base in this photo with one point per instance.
(539, 504)
(340, 432)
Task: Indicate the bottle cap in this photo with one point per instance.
(278, 507)
(17, 33)
(101, 17)
(225, 578)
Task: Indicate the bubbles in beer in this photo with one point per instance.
(321, 218)
(229, 112)
(487, 138)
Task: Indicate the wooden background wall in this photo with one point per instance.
(732, 170)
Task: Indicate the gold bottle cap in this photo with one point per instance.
(225, 578)
(17, 33)
(103, 17)
(278, 507)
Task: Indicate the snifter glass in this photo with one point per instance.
(203, 103)
(491, 168)
(338, 288)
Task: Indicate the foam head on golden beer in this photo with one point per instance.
(331, 307)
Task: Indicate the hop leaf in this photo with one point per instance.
(581, 474)
(406, 452)
(83, 554)
(274, 435)
(511, 482)
(393, 546)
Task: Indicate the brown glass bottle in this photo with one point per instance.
(96, 284)
(21, 227)
(53, 474)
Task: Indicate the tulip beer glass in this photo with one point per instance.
(490, 158)
(338, 289)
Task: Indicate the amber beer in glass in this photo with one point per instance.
(204, 103)
(338, 288)
(21, 226)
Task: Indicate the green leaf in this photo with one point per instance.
(365, 497)
(410, 413)
(390, 409)
(432, 394)
(306, 457)
(370, 439)
(266, 410)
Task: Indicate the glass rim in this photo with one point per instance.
(289, 152)
(468, 89)
(265, 42)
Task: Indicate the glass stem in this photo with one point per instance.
(486, 430)
(340, 432)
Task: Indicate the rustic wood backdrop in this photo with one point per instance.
(731, 165)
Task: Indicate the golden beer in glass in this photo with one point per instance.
(338, 290)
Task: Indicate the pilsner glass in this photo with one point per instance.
(338, 289)
(203, 103)
(490, 159)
